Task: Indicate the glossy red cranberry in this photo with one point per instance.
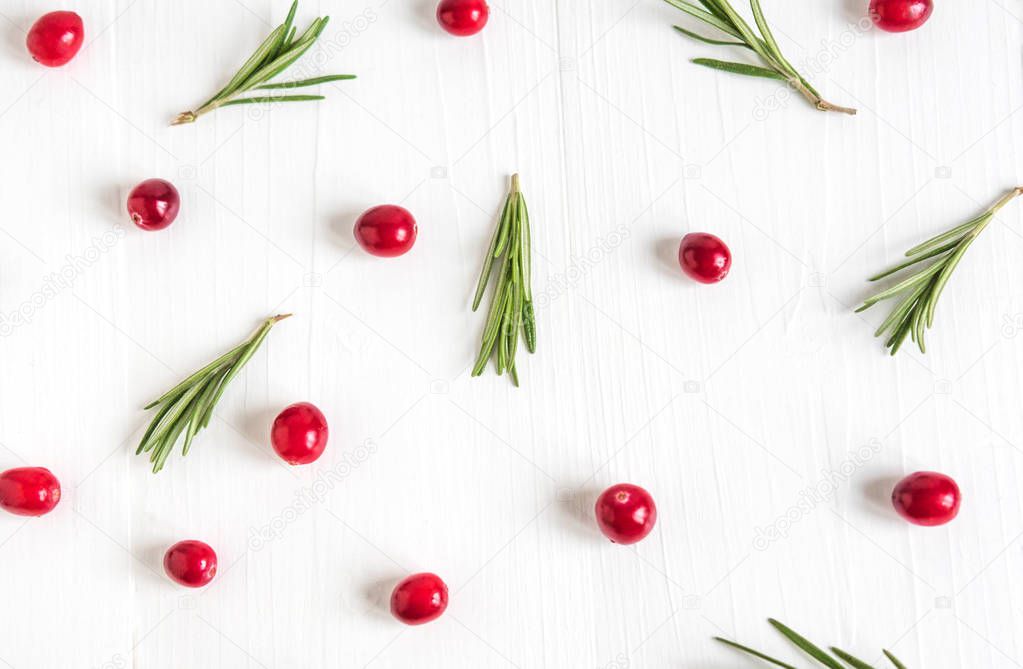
(386, 231)
(927, 498)
(704, 257)
(625, 513)
(299, 434)
(419, 599)
(899, 16)
(29, 491)
(55, 38)
(190, 563)
(463, 17)
(154, 204)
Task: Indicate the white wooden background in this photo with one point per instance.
(761, 414)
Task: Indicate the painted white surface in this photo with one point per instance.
(727, 402)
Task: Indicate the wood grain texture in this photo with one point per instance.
(760, 413)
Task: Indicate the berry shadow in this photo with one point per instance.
(665, 249)
(14, 40)
(342, 233)
(426, 17)
(377, 596)
(877, 494)
(575, 513)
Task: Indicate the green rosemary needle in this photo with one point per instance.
(822, 657)
(511, 307)
(720, 15)
(187, 407)
(277, 53)
(920, 290)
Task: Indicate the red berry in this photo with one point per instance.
(154, 204)
(29, 491)
(462, 17)
(899, 16)
(625, 513)
(190, 563)
(927, 498)
(386, 231)
(55, 38)
(419, 599)
(704, 257)
(299, 434)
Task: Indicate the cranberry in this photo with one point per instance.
(704, 257)
(299, 434)
(899, 16)
(154, 204)
(55, 38)
(927, 498)
(625, 513)
(463, 17)
(190, 563)
(29, 491)
(386, 231)
(419, 599)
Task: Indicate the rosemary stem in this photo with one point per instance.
(816, 100)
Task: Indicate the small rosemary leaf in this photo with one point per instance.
(529, 326)
(707, 40)
(754, 653)
(900, 312)
(288, 30)
(713, 8)
(172, 425)
(286, 59)
(954, 233)
(805, 645)
(937, 251)
(705, 16)
(514, 374)
(744, 32)
(899, 336)
(506, 229)
(740, 68)
(894, 660)
(145, 444)
(250, 66)
(922, 275)
(202, 408)
(946, 273)
(514, 322)
(181, 387)
(307, 82)
(266, 99)
(849, 659)
(769, 41)
(488, 260)
(497, 307)
(527, 250)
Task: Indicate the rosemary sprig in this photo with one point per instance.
(188, 406)
(803, 644)
(720, 15)
(511, 308)
(920, 290)
(276, 54)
